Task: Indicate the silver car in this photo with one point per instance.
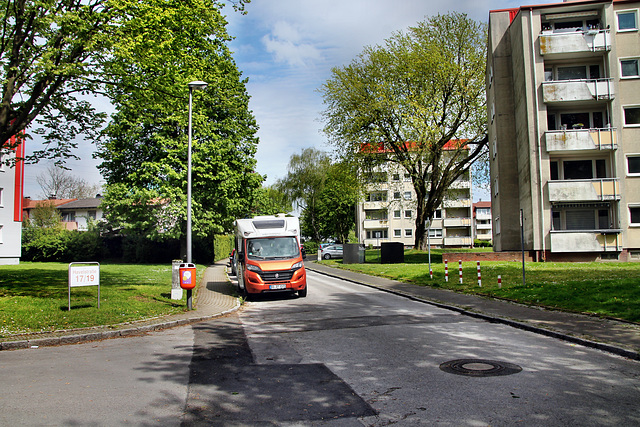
(331, 251)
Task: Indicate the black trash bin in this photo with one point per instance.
(391, 253)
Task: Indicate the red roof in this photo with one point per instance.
(454, 144)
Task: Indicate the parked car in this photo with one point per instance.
(331, 251)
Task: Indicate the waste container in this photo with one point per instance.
(187, 275)
(391, 253)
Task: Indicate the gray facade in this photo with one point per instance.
(563, 103)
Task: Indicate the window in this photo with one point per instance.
(629, 68)
(631, 116)
(1, 197)
(555, 221)
(580, 219)
(407, 177)
(633, 164)
(437, 214)
(396, 195)
(396, 177)
(407, 195)
(627, 20)
(397, 232)
(377, 234)
(634, 215)
(397, 214)
(435, 232)
(407, 214)
(69, 217)
(377, 197)
(578, 169)
(408, 232)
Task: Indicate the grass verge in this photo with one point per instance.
(596, 288)
(34, 297)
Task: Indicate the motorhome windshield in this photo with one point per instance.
(272, 248)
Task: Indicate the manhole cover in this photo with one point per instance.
(479, 368)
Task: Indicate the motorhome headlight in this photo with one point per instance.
(296, 266)
(254, 268)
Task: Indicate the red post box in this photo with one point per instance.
(187, 275)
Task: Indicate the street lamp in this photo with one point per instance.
(193, 85)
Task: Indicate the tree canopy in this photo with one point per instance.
(325, 192)
(161, 48)
(417, 101)
(55, 55)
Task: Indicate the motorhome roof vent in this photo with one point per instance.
(264, 224)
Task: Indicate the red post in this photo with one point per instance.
(479, 276)
(446, 270)
(460, 269)
(500, 282)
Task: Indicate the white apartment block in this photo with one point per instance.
(482, 229)
(387, 213)
(563, 100)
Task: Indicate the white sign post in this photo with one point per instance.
(84, 274)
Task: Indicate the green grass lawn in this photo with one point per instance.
(34, 297)
(600, 288)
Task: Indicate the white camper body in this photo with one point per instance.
(269, 255)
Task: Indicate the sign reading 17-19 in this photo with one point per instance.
(84, 274)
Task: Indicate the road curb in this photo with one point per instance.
(610, 348)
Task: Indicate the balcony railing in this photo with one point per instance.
(575, 42)
(575, 190)
(458, 241)
(371, 224)
(581, 139)
(457, 203)
(586, 241)
(577, 90)
(457, 222)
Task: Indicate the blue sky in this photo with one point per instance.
(287, 49)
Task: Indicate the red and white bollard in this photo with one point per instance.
(431, 272)
(479, 276)
(500, 282)
(460, 269)
(446, 270)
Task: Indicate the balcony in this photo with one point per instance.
(483, 226)
(461, 184)
(590, 190)
(458, 241)
(457, 203)
(574, 43)
(586, 241)
(565, 91)
(581, 139)
(457, 222)
(375, 224)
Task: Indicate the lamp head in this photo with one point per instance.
(198, 84)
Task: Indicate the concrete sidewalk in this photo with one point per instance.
(213, 298)
(618, 337)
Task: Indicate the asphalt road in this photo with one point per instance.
(346, 355)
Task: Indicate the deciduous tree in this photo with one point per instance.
(163, 46)
(417, 101)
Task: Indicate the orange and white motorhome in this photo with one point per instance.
(269, 255)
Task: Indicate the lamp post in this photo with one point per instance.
(193, 85)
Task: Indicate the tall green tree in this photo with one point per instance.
(56, 54)
(338, 201)
(417, 101)
(305, 180)
(161, 46)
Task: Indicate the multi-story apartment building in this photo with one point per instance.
(387, 213)
(11, 189)
(563, 101)
(482, 229)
